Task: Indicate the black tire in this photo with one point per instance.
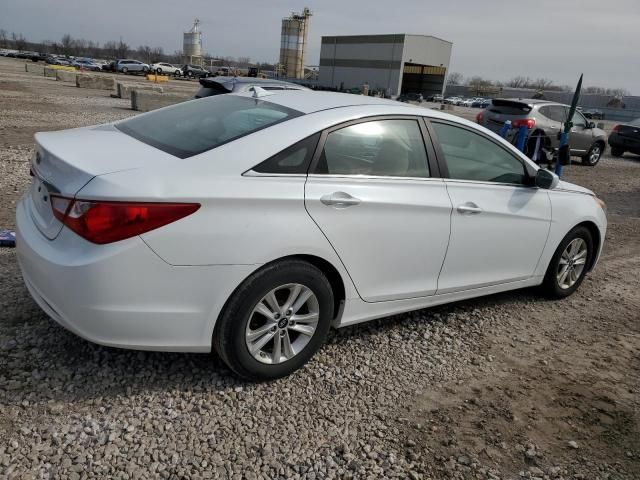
(158, 71)
(145, 70)
(177, 73)
(229, 335)
(617, 152)
(190, 74)
(124, 70)
(550, 286)
(592, 157)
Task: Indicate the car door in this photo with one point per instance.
(499, 224)
(373, 190)
(581, 136)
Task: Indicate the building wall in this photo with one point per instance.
(351, 61)
(378, 60)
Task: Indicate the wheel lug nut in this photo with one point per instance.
(276, 316)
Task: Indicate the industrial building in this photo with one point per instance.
(293, 44)
(394, 64)
(192, 45)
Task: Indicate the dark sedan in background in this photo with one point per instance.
(625, 138)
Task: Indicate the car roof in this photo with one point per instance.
(309, 101)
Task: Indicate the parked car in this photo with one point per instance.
(110, 66)
(546, 119)
(131, 66)
(594, 114)
(86, 64)
(410, 97)
(625, 137)
(56, 60)
(435, 98)
(451, 100)
(481, 103)
(243, 223)
(195, 71)
(162, 68)
(219, 85)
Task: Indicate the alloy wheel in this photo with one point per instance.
(572, 263)
(281, 324)
(595, 154)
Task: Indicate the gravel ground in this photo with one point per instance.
(504, 387)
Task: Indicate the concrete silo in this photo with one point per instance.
(192, 45)
(293, 44)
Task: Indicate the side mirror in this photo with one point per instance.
(546, 179)
(591, 125)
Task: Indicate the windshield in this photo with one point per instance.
(196, 126)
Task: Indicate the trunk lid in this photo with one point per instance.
(65, 161)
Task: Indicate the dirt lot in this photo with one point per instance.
(509, 386)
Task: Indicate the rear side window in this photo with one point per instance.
(295, 159)
(554, 112)
(386, 148)
(194, 127)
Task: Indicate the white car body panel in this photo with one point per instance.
(502, 243)
(165, 289)
(393, 242)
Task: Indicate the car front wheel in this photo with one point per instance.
(275, 321)
(124, 70)
(593, 155)
(569, 264)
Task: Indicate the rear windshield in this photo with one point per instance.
(507, 107)
(196, 126)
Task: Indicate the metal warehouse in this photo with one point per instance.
(396, 63)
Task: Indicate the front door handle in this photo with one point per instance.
(469, 208)
(339, 200)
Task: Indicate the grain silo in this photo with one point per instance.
(293, 44)
(192, 45)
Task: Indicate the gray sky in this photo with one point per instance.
(497, 39)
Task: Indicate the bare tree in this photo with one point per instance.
(243, 62)
(19, 42)
(122, 49)
(66, 44)
(157, 54)
(144, 52)
(455, 78)
(542, 84)
(519, 82)
(3, 38)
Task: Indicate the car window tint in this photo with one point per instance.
(193, 127)
(578, 120)
(470, 156)
(392, 148)
(294, 159)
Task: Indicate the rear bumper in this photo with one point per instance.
(123, 294)
(624, 143)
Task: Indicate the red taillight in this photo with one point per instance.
(105, 222)
(524, 122)
(616, 128)
(480, 117)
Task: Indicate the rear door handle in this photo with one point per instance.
(469, 208)
(339, 200)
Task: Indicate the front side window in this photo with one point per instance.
(390, 148)
(470, 156)
(578, 120)
(193, 127)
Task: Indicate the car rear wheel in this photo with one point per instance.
(159, 71)
(190, 74)
(568, 266)
(593, 155)
(145, 69)
(617, 152)
(275, 321)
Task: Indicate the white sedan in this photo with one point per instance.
(162, 68)
(251, 223)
